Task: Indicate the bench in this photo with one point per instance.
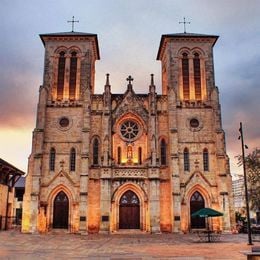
(254, 254)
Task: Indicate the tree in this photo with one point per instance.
(252, 163)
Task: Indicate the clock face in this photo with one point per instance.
(129, 130)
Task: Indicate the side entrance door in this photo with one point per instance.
(129, 211)
(61, 211)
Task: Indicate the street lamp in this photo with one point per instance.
(241, 137)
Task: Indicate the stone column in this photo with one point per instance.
(154, 203)
(105, 203)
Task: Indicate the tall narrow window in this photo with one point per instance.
(52, 159)
(61, 72)
(140, 155)
(72, 159)
(205, 159)
(119, 155)
(186, 158)
(73, 75)
(185, 76)
(95, 151)
(163, 152)
(197, 76)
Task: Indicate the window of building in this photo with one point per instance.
(95, 151)
(185, 76)
(129, 130)
(61, 73)
(163, 152)
(205, 159)
(140, 155)
(197, 76)
(119, 155)
(52, 159)
(72, 159)
(186, 158)
(73, 75)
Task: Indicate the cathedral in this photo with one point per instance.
(101, 163)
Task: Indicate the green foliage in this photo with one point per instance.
(252, 162)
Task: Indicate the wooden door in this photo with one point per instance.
(197, 203)
(61, 211)
(129, 211)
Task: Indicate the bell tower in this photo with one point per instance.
(63, 120)
(187, 65)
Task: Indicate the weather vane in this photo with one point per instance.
(72, 23)
(184, 24)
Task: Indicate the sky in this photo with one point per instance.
(129, 33)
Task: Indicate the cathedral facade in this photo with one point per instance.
(105, 162)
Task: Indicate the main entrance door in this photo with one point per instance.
(197, 203)
(61, 211)
(129, 211)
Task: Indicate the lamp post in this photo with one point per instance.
(241, 137)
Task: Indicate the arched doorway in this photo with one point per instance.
(60, 211)
(129, 211)
(197, 203)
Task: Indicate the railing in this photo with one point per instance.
(7, 223)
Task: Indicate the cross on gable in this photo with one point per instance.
(72, 23)
(129, 79)
(184, 24)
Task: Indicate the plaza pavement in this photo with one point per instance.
(15, 245)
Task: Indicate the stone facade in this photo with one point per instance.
(127, 160)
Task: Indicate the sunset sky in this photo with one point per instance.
(129, 33)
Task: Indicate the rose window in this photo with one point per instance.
(129, 130)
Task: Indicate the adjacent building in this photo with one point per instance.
(9, 175)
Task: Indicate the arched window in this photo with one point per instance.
(52, 159)
(196, 203)
(163, 152)
(73, 75)
(185, 76)
(197, 76)
(119, 155)
(140, 155)
(205, 159)
(61, 72)
(186, 158)
(72, 159)
(95, 151)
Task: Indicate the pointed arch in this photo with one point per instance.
(163, 152)
(197, 202)
(96, 152)
(61, 75)
(119, 155)
(197, 75)
(185, 76)
(186, 159)
(52, 159)
(143, 201)
(140, 161)
(72, 159)
(205, 159)
(61, 210)
(73, 75)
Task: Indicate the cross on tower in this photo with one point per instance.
(72, 22)
(184, 24)
(129, 79)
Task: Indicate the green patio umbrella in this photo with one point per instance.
(206, 213)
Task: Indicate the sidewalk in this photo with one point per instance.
(14, 245)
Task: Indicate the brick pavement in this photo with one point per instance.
(14, 245)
